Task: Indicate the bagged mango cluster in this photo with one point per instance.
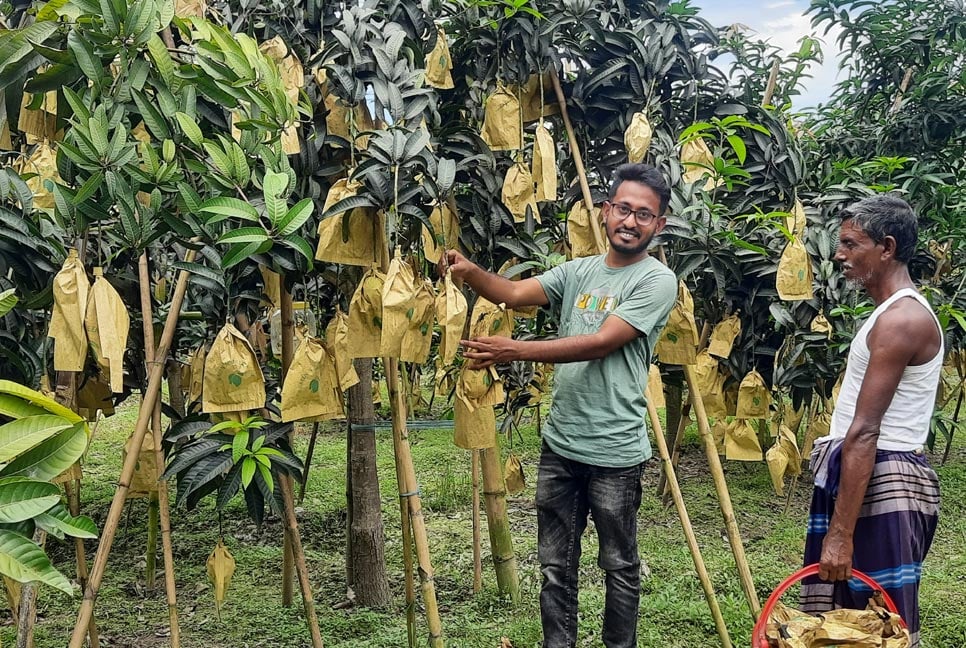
(874, 627)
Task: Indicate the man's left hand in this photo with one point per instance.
(836, 562)
(486, 351)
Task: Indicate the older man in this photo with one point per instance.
(876, 500)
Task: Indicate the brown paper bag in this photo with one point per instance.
(544, 165)
(190, 8)
(233, 380)
(723, 336)
(271, 287)
(513, 475)
(796, 221)
(418, 335)
(71, 289)
(710, 385)
(678, 343)
(365, 316)
(107, 324)
(366, 230)
(451, 313)
(696, 157)
(501, 121)
(518, 193)
(94, 395)
(221, 567)
(637, 137)
(42, 162)
(719, 431)
(473, 429)
(783, 459)
(337, 342)
(754, 398)
(39, 125)
(794, 276)
(145, 480)
(293, 80)
(439, 64)
(655, 386)
(446, 233)
(821, 325)
(489, 319)
(311, 387)
(338, 114)
(398, 295)
(741, 441)
(818, 427)
(580, 233)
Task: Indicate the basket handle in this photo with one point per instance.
(758, 636)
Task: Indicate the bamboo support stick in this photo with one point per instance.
(301, 569)
(408, 491)
(308, 461)
(151, 547)
(724, 497)
(288, 349)
(682, 427)
(163, 505)
(498, 524)
(578, 161)
(772, 82)
(72, 490)
(152, 393)
(407, 548)
(477, 557)
(685, 519)
(27, 616)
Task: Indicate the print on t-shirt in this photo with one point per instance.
(593, 307)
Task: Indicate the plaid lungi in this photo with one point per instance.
(892, 535)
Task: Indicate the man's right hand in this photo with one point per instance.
(460, 266)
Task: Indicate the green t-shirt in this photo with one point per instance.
(598, 410)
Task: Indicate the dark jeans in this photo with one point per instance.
(566, 491)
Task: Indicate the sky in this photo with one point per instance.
(783, 23)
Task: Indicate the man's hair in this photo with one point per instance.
(886, 215)
(644, 174)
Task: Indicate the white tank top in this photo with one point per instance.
(905, 424)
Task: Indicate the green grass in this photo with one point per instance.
(673, 610)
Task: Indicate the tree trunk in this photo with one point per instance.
(366, 537)
(498, 524)
(175, 395)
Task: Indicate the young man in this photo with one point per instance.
(612, 309)
(876, 500)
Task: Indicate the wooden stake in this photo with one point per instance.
(724, 497)
(163, 508)
(288, 349)
(72, 490)
(27, 616)
(578, 162)
(903, 85)
(678, 498)
(682, 427)
(498, 524)
(292, 531)
(477, 558)
(308, 461)
(772, 82)
(145, 414)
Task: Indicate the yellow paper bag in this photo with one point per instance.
(637, 137)
(819, 427)
(580, 231)
(398, 295)
(544, 165)
(418, 335)
(719, 431)
(655, 386)
(796, 221)
(293, 80)
(39, 125)
(446, 233)
(339, 115)
(536, 95)
(513, 475)
(754, 398)
(451, 313)
(678, 343)
(93, 396)
(107, 324)
(489, 319)
(311, 387)
(366, 230)
(698, 162)
(783, 459)
(794, 276)
(337, 342)
(145, 480)
(723, 336)
(501, 121)
(190, 8)
(233, 380)
(518, 193)
(439, 64)
(42, 162)
(71, 289)
(473, 429)
(365, 316)
(221, 567)
(821, 325)
(741, 441)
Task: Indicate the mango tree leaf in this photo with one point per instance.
(296, 217)
(22, 499)
(8, 299)
(229, 207)
(51, 457)
(60, 522)
(244, 235)
(26, 393)
(23, 561)
(22, 434)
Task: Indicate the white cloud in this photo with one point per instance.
(780, 4)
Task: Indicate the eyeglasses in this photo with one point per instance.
(643, 217)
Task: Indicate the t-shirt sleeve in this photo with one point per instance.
(553, 282)
(648, 306)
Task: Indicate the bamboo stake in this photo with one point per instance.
(501, 545)
(27, 616)
(674, 397)
(407, 547)
(72, 490)
(903, 85)
(477, 558)
(288, 349)
(724, 498)
(145, 413)
(682, 427)
(308, 461)
(292, 531)
(163, 507)
(772, 82)
(408, 491)
(685, 519)
(151, 547)
(578, 161)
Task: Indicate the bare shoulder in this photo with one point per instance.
(908, 325)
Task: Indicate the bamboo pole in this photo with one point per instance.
(682, 427)
(308, 461)
(163, 507)
(151, 547)
(407, 548)
(27, 615)
(578, 161)
(772, 82)
(724, 497)
(288, 349)
(501, 545)
(145, 413)
(301, 569)
(72, 490)
(477, 558)
(685, 519)
(408, 491)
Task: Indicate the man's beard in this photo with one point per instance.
(629, 248)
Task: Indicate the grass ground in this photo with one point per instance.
(673, 610)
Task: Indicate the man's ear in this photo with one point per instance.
(889, 246)
(661, 222)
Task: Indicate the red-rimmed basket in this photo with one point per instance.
(758, 638)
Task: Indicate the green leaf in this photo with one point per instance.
(83, 52)
(228, 207)
(245, 235)
(20, 435)
(239, 445)
(22, 499)
(90, 186)
(247, 471)
(36, 398)
(300, 245)
(50, 458)
(267, 477)
(239, 253)
(23, 561)
(59, 518)
(8, 299)
(159, 54)
(296, 217)
(190, 129)
(739, 146)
